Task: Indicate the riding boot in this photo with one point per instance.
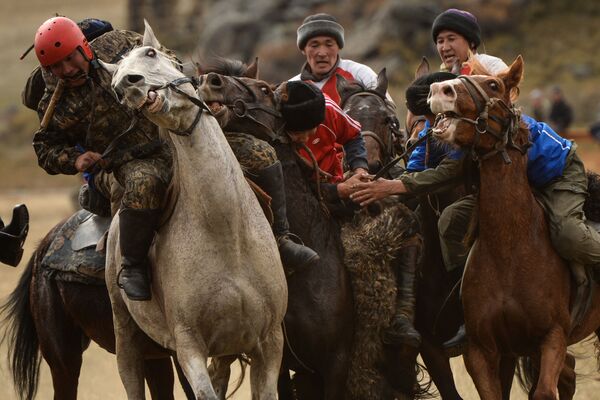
(456, 345)
(136, 232)
(294, 256)
(401, 330)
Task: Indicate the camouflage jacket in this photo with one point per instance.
(89, 117)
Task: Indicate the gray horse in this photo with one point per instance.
(218, 284)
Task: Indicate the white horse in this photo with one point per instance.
(218, 284)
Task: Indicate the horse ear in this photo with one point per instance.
(252, 71)
(149, 38)
(513, 76)
(423, 68)
(382, 82)
(111, 68)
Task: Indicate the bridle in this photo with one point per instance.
(509, 125)
(393, 133)
(243, 109)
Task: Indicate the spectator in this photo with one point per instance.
(561, 113)
(538, 105)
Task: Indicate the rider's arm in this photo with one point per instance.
(347, 133)
(430, 179)
(54, 152)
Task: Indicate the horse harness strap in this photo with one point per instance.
(410, 148)
(198, 102)
(508, 128)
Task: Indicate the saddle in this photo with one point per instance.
(74, 254)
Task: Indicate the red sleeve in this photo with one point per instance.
(344, 127)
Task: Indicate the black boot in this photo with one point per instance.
(456, 346)
(136, 232)
(401, 330)
(12, 236)
(294, 256)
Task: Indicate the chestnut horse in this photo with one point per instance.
(516, 288)
(59, 319)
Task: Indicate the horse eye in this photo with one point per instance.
(151, 53)
(264, 89)
(494, 85)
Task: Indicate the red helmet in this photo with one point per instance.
(58, 37)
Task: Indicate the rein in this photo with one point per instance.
(395, 161)
(173, 85)
(509, 125)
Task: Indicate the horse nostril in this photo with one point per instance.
(214, 80)
(448, 90)
(134, 78)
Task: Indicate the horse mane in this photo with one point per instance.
(222, 66)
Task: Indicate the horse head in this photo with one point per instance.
(377, 117)
(148, 80)
(476, 112)
(242, 103)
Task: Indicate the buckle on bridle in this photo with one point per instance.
(481, 124)
(239, 108)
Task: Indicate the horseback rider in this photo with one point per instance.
(320, 39)
(85, 134)
(313, 118)
(555, 172)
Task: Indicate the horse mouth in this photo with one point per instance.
(153, 102)
(216, 107)
(445, 125)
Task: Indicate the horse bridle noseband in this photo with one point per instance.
(508, 126)
(388, 151)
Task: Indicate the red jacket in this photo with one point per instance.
(327, 145)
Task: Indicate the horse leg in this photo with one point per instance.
(192, 354)
(334, 385)
(307, 386)
(438, 367)
(284, 385)
(483, 366)
(61, 341)
(553, 353)
(220, 371)
(568, 380)
(507, 372)
(185, 385)
(266, 363)
(159, 376)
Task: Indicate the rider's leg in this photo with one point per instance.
(453, 225)
(401, 329)
(563, 201)
(145, 183)
(259, 160)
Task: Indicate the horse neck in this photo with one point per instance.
(505, 198)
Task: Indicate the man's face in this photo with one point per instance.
(452, 47)
(73, 69)
(321, 54)
(302, 136)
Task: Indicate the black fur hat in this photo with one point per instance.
(459, 21)
(304, 108)
(418, 91)
(320, 25)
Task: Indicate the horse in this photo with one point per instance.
(514, 305)
(58, 318)
(377, 116)
(320, 319)
(218, 284)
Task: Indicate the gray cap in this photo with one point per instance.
(320, 25)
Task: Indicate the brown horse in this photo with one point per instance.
(377, 117)
(59, 319)
(516, 289)
(320, 316)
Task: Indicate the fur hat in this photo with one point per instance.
(320, 25)
(459, 21)
(304, 108)
(418, 91)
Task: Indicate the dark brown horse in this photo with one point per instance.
(320, 317)
(377, 116)
(58, 319)
(516, 288)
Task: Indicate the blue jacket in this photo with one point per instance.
(546, 158)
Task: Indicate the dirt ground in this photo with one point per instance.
(99, 378)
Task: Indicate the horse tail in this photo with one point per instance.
(591, 207)
(527, 372)
(422, 388)
(244, 362)
(21, 335)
